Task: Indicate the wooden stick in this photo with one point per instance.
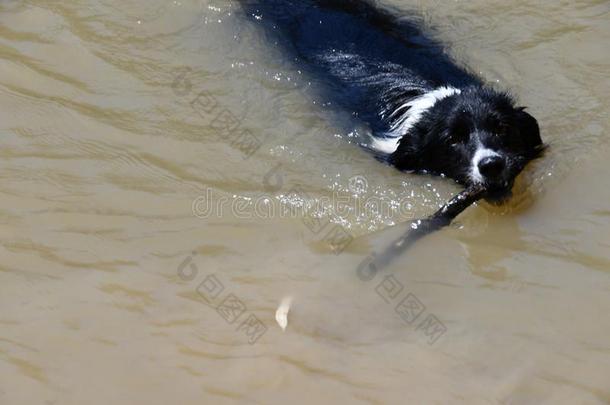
(423, 227)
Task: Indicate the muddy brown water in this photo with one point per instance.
(167, 180)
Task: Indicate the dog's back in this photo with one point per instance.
(370, 62)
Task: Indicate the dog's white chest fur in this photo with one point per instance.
(406, 115)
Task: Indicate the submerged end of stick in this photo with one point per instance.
(423, 227)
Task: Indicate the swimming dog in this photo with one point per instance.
(425, 111)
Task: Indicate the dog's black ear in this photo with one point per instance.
(529, 131)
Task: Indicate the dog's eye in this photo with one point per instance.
(497, 125)
(459, 132)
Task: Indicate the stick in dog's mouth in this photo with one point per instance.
(420, 228)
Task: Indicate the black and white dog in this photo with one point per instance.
(426, 113)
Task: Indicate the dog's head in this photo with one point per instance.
(477, 137)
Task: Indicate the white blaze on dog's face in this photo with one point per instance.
(487, 165)
(489, 159)
(481, 156)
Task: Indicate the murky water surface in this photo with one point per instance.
(167, 179)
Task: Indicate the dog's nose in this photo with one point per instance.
(491, 166)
